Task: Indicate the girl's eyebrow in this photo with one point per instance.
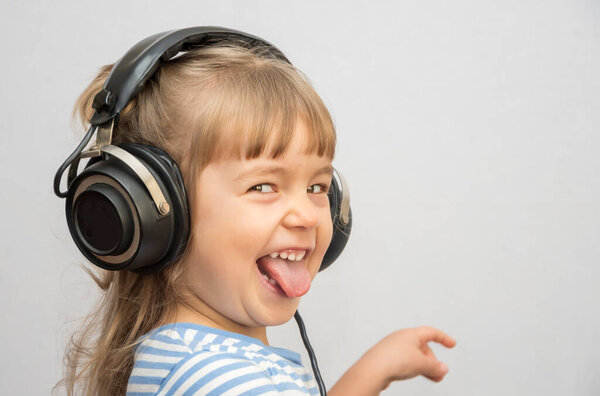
(264, 170)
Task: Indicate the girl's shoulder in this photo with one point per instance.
(183, 355)
(193, 338)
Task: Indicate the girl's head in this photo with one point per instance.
(260, 230)
(254, 142)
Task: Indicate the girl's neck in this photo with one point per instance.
(206, 316)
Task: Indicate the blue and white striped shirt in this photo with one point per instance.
(190, 359)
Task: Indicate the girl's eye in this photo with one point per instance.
(317, 188)
(265, 188)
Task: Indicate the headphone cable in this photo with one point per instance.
(70, 160)
(311, 354)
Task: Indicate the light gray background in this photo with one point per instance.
(468, 131)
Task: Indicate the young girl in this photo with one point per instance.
(254, 143)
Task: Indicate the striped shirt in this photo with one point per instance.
(191, 359)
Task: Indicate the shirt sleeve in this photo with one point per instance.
(217, 373)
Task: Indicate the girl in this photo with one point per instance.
(254, 143)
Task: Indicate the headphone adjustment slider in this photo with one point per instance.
(103, 138)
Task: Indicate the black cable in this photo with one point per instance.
(311, 354)
(69, 160)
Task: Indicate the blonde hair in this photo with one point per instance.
(218, 100)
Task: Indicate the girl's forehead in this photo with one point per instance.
(299, 152)
(277, 144)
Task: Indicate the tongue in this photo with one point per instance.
(293, 277)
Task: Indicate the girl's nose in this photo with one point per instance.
(302, 212)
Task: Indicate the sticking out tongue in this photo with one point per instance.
(292, 276)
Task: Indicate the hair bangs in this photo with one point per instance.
(258, 111)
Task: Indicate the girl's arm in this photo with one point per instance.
(401, 355)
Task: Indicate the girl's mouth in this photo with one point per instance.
(286, 271)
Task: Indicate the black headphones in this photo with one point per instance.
(128, 208)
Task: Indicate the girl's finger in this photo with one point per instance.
(428, 352)
(428, 334)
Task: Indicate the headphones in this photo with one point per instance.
(128, 208)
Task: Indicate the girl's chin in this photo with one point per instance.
(275, 316)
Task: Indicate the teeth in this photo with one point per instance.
(289, 256)
(269, 279)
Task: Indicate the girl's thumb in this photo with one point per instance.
(443, 368)
(436, 370)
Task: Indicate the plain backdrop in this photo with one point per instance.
(469, 134)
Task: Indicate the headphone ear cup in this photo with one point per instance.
(169, 173)
(113, 219)
(341, 230)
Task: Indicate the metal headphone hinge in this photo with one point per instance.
(103, 138)
(144, 175)
(345, 204)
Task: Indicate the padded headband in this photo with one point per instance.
(139, 63)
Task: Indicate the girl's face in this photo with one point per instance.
(248, 216)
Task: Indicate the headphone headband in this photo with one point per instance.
(139, 63)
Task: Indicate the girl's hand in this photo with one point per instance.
(405, 354)
(401, 355)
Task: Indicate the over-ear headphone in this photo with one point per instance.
(128, 208)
